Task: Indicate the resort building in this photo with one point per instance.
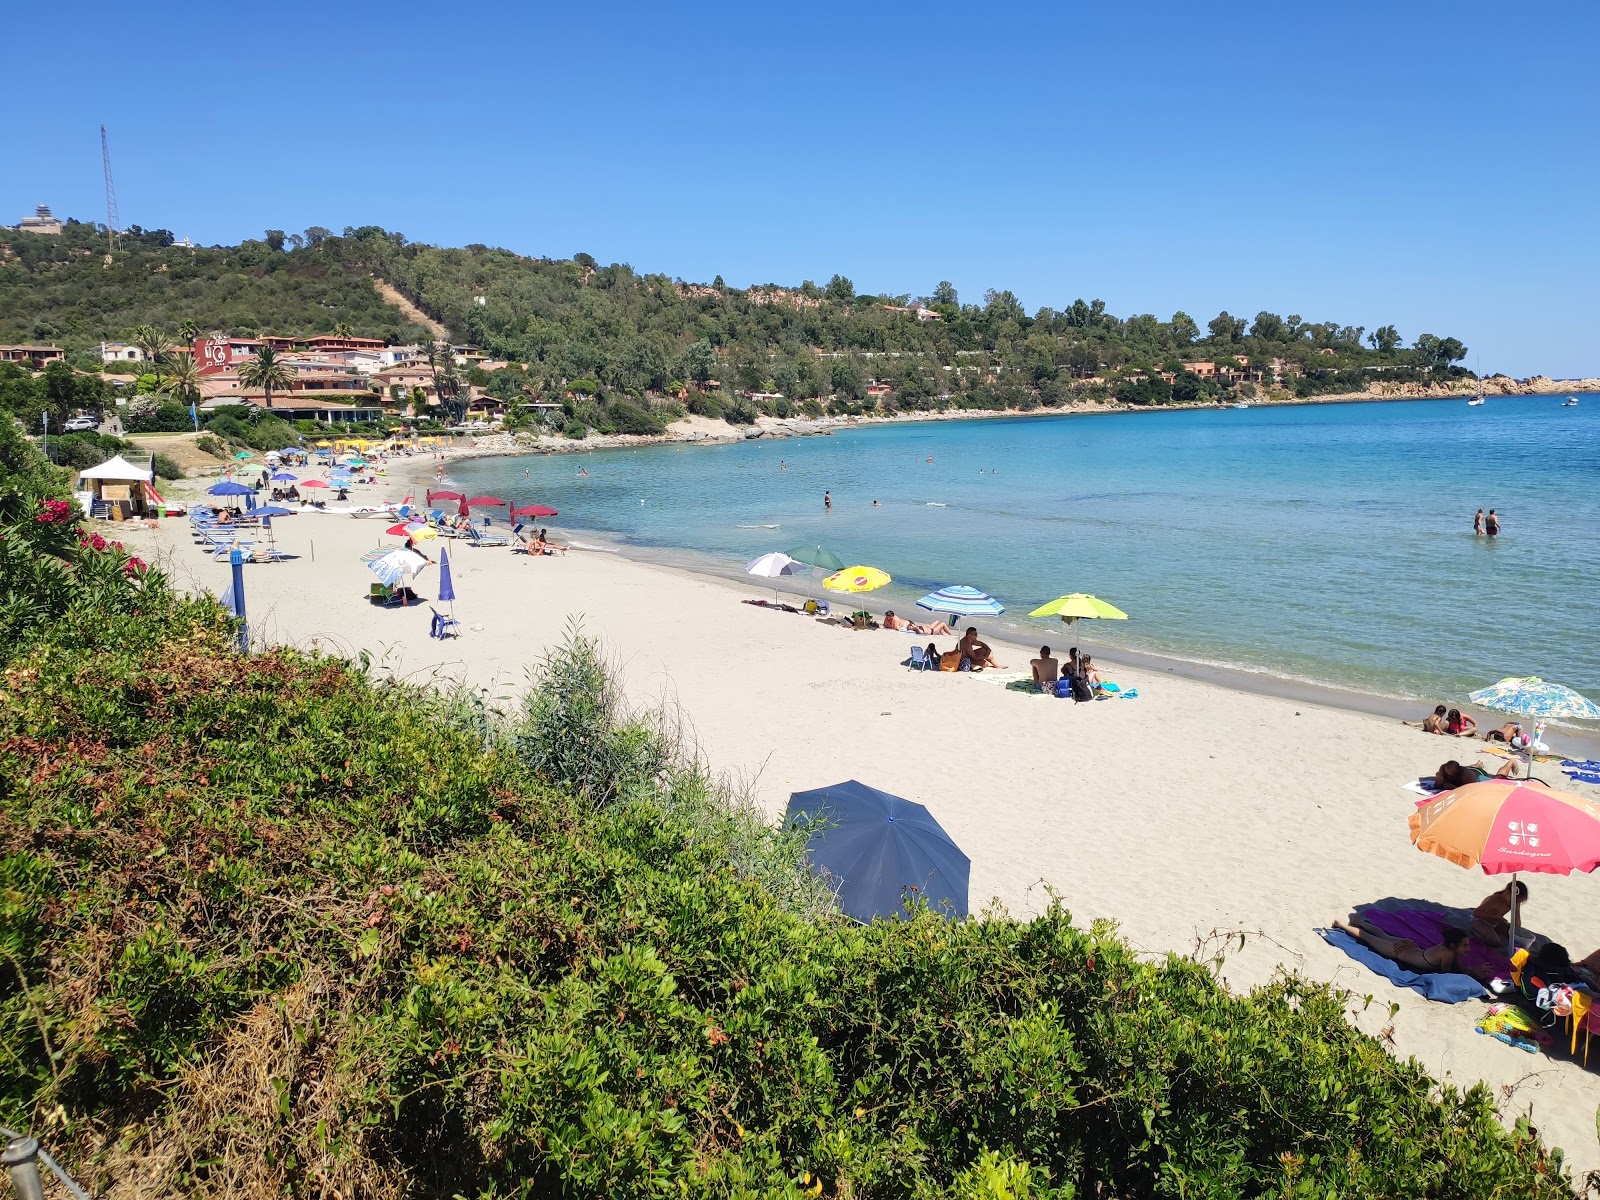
(38, 357)
(42, 221)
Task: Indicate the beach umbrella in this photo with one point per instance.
(877, 847)
(313, 483)
(284, 477)
(432, 496)
(483, 502)
(857, 579)
(244, 454)
(447, 584)
(1079, 606)
(397, 566)
(372, 556)
(419, 531)
(1533, 697)
(1503, 825)
(959, 600)
(534, 510)
(273, 510)
(816, 556)
(772, 566)
(229, 488)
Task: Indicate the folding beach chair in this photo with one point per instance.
(442, 626)
(919, 660)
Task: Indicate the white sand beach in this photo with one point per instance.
(1186, 815)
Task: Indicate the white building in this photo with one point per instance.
(115, 352)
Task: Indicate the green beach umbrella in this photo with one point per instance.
(1079, 606)
(816, 556)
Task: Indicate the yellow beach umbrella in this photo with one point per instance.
(857, 579)
(1079, 605)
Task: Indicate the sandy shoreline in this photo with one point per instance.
(1189, 813)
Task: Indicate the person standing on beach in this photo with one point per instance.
(827, 501)
(1491, 524)
(1477, 524)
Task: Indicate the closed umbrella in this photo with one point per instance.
(447, 584)
(1502, 825)
(878, 847)
(959, 600)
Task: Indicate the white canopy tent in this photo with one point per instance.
(119, 484)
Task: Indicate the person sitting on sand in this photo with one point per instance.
(976, 655)
(1087, 669)
(1434, 721)
(1459, 724)
(936, 628)
(1435, 960)
(1489, 920)
(1046, 670)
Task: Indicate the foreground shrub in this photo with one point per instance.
(268, 927)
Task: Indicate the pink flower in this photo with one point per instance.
(134, 566)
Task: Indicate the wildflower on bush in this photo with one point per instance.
(135, 566)
(54, 512)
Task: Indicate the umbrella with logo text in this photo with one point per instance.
(1506, 826)
(857, 579)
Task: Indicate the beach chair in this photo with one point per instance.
(475, 538)
(442, 626)
(919, 660)
(385, 596)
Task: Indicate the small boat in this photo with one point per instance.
(1570, 402)
(1474, 402)
(1241, 404)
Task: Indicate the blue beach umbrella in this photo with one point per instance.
(229, 488)
(878, 846)
(959, 600)
(274, 510)
(1533, 697)
(447, 585)
(284, 477)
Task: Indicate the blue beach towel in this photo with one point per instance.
(1584, 776)
(1450, 989)
(1582, 764)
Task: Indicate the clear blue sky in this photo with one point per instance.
(1430, 164)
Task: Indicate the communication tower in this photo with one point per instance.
(112, 218)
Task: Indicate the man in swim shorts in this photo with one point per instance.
(976, 654)
(1491, 524)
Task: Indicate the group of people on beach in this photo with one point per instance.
(1489, 926)
(1081, 675)
(1452, 722)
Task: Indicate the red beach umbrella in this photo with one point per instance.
(533, 510)
(432, 496)
(313, 483)
(483, 502)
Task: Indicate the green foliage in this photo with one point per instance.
(166, 468)
(86, 449)
(273, 928)
(211, 444)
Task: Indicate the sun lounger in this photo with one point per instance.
(474, 538)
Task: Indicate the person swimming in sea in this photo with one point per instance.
(1477, 524)
(827, 501)
(585, 471)
(782, 466)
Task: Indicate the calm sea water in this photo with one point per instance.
(1330, 544)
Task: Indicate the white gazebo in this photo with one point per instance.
(118, 484)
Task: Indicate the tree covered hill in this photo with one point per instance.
(613, 330)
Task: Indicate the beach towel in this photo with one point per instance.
(1584, 776)
(1426, 926)
(1448, 989)
(1581, 764)
(1424, 787)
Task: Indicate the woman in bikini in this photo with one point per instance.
(938, 628)
(1445, 957)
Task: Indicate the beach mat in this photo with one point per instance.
(1447, 989)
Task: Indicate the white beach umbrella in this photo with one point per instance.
(396, 566)
(774, 565)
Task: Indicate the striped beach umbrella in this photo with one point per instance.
(1533, 697)
(959, 600)
(1503, 826)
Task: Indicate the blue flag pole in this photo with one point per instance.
(236, 561)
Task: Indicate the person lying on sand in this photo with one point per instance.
(1453, 774)
(1444, 957)
(1489, 920)
(1046, 670)
(1505, 733)
(977, 654)
(937, 628)
(1458, 723)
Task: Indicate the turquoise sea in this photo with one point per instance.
(1330, 544)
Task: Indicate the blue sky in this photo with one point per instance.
(1429, 164)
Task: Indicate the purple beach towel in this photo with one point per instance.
(1426, 928)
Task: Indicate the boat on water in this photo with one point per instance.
(1570, 402)
(1241, 404)
(1474, 402)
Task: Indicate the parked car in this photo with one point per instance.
(81, 425)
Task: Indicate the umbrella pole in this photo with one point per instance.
(1512, 949)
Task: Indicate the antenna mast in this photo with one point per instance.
(112, 218)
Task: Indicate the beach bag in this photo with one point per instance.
(1081, 690)
(1064, 689)
(950, 661)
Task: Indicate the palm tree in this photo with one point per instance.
(155, 347)
(342, 329)
(188, 331)
(267, 372)
(182, 379)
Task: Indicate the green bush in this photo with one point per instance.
(274, 928)
(627, 417)
(166, 468)
(575, 429)
(213, 445)
(86, 449)
(702, 405)
(166, 417)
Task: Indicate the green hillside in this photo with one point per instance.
(615, 332)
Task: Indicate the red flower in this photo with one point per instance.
(134, 566)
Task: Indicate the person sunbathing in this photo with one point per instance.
(1435, 960)
(1506, 733)
(1453, 774)
(976, 655)
(936, 628)
(1046, 670)
(1489, 920)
